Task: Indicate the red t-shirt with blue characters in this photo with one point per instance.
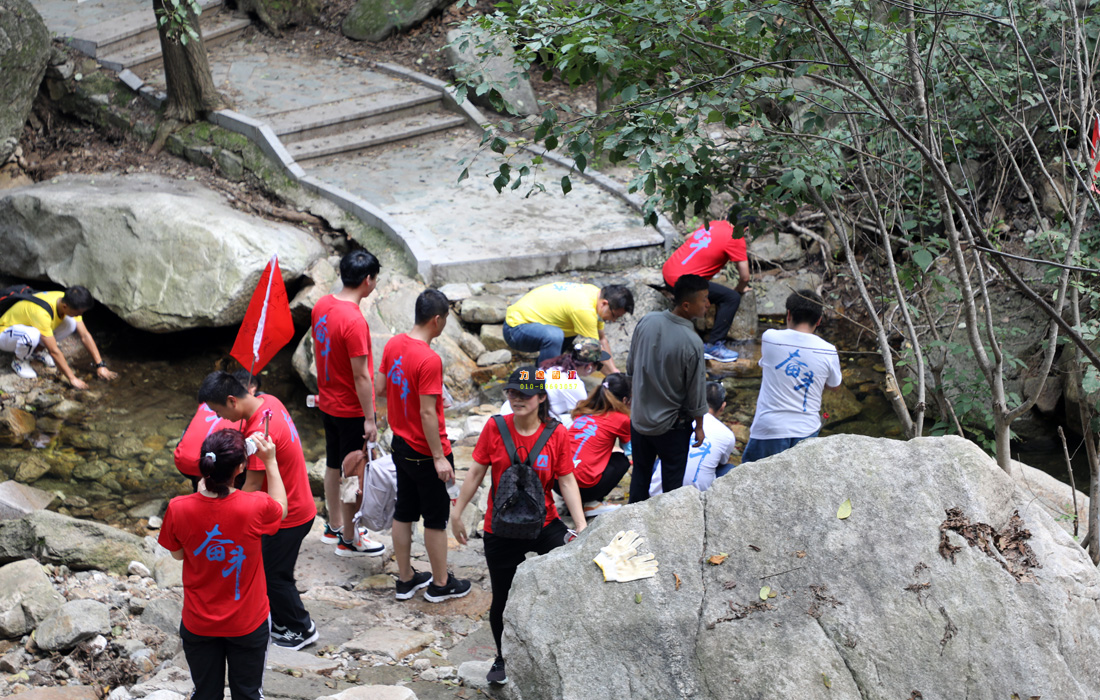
(705, 252)
(300, 507)
(413, 369)
(201, 426)
(591, 439)
(224, 590)
(552, 462)
(339, 333)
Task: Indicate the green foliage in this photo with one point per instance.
(179, 19)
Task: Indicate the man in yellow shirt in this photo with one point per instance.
(547, 318)
(28, 324)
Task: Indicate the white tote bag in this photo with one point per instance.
(379, 491)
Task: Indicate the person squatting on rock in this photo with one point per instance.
(564, 386)
(292, 626)
(546, 319)
(503, 555)
(202, 425)
(346, 398)
(704, 253)
(217, 533)
(29, 324)
(669, 373)
(598, 422)
(797, 366)
(421, 451)
(711, 459)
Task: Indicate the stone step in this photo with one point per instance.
(334, 118)
(219, 28)
(373, 135)
(127, 30)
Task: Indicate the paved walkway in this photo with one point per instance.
(467, 231)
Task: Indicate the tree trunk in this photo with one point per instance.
(191, 91)
(1094, 495)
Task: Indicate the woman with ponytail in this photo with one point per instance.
(598, 422)
(216, 533)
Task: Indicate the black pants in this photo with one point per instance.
(245, 655)
(672, 447)
(342, 437)
(617, 467)
(726, 302)
(280, 556)
(503, 555)
(420, 493)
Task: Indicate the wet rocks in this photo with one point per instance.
(72, 623)
(15, 425)
(26, 597)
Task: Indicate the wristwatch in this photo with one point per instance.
(97, 365)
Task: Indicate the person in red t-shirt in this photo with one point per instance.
(216, 533)
(503, 555)
(293, 627)
(345, 386)
(421, 450)
(704, 253)
(202, 426)
(597, 422)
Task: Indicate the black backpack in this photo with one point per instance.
(10, 296)
(519, 500)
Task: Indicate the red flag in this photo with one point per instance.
(267, 325)
(1094, 137)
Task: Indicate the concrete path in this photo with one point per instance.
(394, 144)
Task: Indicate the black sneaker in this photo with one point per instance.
(406, 589)
(295, 640)
(497, 674)
(455, 588)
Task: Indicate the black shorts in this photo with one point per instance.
(509, 552)
(342, 437)
(420, 491)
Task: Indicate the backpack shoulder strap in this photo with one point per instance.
(544, 437)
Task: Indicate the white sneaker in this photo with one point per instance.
(44, 357)
(24, 369)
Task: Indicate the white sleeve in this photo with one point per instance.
(835, 374)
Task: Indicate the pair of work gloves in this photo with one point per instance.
(621, 562)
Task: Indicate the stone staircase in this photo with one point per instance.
(130, 41)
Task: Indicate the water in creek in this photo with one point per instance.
(113, 462)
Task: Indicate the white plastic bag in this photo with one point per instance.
(379, 491)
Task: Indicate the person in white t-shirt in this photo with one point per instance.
(797, 367)
(563, 376)
(709, 460)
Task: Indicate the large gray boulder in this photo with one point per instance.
(374, 20)
(164, 255)
(496, 68)
(72, 623)
(26, 597)
(24, 50)
(79, 544)
(892, 602)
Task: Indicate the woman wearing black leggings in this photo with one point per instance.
(503, 555)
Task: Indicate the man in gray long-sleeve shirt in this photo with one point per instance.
(669, 377)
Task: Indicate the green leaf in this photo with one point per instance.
(566, 185)
(845, 510)
(464, 174)
(825, 679)
(923, 259)
(498, 145)
(637, 597)
(765, 592)
(581, 161)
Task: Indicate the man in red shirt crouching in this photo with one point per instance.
(704, 253)
(292, 626)
(421, 450)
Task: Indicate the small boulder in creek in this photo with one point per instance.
(942, 582)
(143, 245)
(72, 623)
(79, 544)
(26, 597)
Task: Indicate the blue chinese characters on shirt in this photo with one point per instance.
(215, 545)
(324, 340)
(587, 427)
(397, 378)
(699, 240)
(798, 370)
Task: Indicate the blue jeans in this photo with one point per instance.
(759, 449)
(546, 340)
(723, 469)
